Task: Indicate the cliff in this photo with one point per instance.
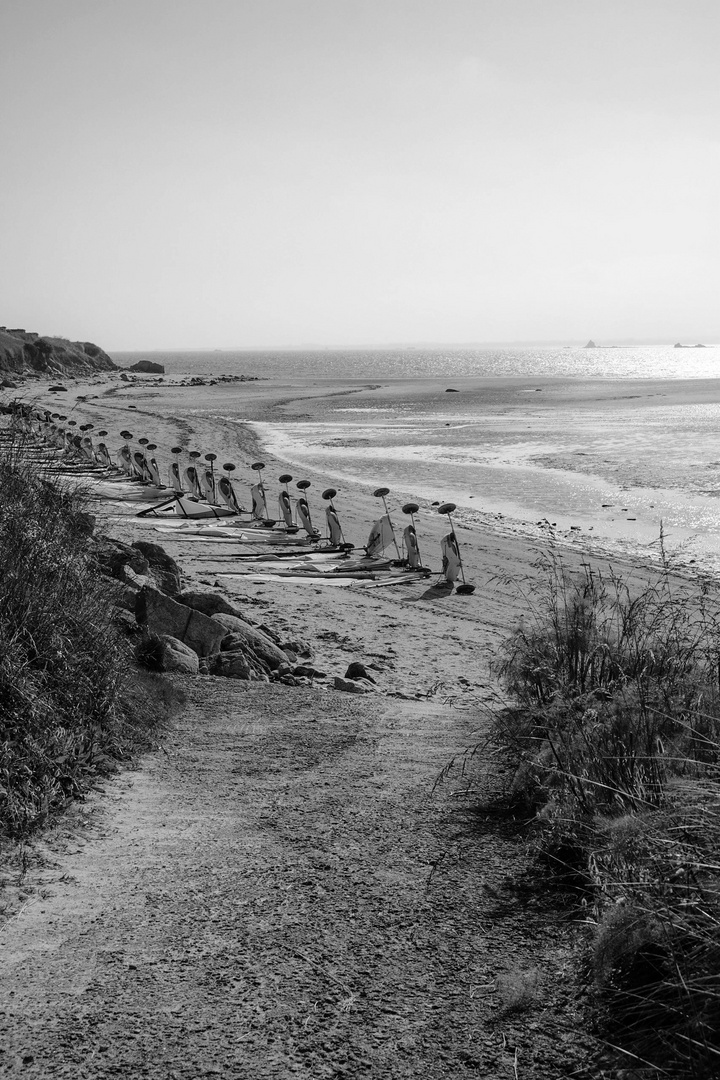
(29, 354)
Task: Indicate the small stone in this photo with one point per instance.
(357, 670)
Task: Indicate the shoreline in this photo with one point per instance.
(202, 417)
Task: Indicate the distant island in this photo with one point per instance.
(677, 345)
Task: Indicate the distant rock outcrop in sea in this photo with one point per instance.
(591, 344)
(149, 367)
(677, 345)
(25, 353)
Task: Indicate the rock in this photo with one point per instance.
(251, 641)
(112, 556)
(305, 671)
(358, 671)
(591, 344)
(164, 570)
(297, 646)
(161, 615)
(234, 665)
(451, 390)
(349, 686)
(210, 603)
(124, 377)
(176, 656)
(147, 366)
(58, 389)
(8, 384)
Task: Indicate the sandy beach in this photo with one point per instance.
(284, 890)
(433, 635)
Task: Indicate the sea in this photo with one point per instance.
(618, 446)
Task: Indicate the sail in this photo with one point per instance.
(450, 557)
(191, 481)
(227, 493)
(285, 509)
(304, 519)
(411, 546)
(154, 472)
(174, 476)
(333, 523)
(259, 506)
(381, 536)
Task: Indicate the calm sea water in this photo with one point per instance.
(417, 362)
(585, 438)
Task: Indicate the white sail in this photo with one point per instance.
(450, 557)
(381, 536)
(411, 547)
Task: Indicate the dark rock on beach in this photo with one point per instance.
(356, 670)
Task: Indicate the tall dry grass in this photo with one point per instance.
(612, 738)
(68, 710)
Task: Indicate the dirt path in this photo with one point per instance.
(280, 893)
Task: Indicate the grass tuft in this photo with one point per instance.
(611, 737)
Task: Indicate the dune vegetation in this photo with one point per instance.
(69, 711)
(611, 738)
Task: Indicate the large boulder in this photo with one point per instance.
(210, 603)
(175, 656)
(162, 615)
(164, 570)
(244, 638)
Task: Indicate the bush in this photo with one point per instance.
(67, 713)
(612, 736)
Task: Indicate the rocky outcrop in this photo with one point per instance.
(148, 367)
(591, 344)
(23, 352)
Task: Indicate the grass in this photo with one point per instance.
(72, 705)
(611, 739)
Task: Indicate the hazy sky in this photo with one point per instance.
(218, 173)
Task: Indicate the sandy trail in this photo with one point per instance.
(280, 893)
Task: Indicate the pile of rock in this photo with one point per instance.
(194, 630)
(199, 631)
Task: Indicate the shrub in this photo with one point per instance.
(67, 713)
(612, 736)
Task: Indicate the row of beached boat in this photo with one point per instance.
(200, 499)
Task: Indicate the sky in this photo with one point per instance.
(280, 173)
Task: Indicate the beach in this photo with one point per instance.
(617, 449)
(301, 882)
